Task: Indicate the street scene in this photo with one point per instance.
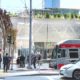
(40, 40)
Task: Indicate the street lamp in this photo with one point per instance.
(30, 36)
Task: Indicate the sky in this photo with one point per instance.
(18, 5)
(74, 4)
(71, 4)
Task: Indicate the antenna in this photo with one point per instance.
(25, 6)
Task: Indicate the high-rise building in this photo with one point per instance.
(63, 6)
(51, 4)
(69, 4)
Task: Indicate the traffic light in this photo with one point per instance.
(9, 39)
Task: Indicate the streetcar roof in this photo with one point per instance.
(71, 41)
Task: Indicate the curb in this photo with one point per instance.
(28, 72)
(40, 74)
(37, 74)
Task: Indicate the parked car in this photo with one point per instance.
(71, 70)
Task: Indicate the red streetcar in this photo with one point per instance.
(65, 52)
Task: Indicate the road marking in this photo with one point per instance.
(53, 78)
(49, 77)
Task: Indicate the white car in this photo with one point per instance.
(71, 70)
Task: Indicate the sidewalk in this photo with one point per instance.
(28, 72)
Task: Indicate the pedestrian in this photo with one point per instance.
(33, 60)
(0, 60)
(18, 61)
(22, 61)
(38, 57)
(5, 62)
(10, 59)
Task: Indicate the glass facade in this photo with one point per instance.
(51, 4)
(58, 7)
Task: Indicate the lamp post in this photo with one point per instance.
(30, 36)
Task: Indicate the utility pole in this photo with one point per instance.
(30, 35)
(25, 6)
(47, 41)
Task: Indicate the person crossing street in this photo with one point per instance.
(6, 62)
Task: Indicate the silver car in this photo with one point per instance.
(71, 70)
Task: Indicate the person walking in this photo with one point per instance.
(38, 59)
(18, 61)
(33, 60)
(5, 62)
(22, 61)
(9, 63)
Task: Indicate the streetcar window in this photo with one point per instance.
(59, 51)
(73, 49)
(59, 56)
(54, 53)
(73, 55)
(63, 53)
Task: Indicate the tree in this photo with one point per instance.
(54, 15)
(5, 24)
(47, 15)
(76, 15)
(66, 16)
(72, 16)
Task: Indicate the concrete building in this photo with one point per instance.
(45, 32)
(22, 26)
(21, 23)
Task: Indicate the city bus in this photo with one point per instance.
(67, 51)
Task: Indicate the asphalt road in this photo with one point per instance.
(48, 77)
(32, 78)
